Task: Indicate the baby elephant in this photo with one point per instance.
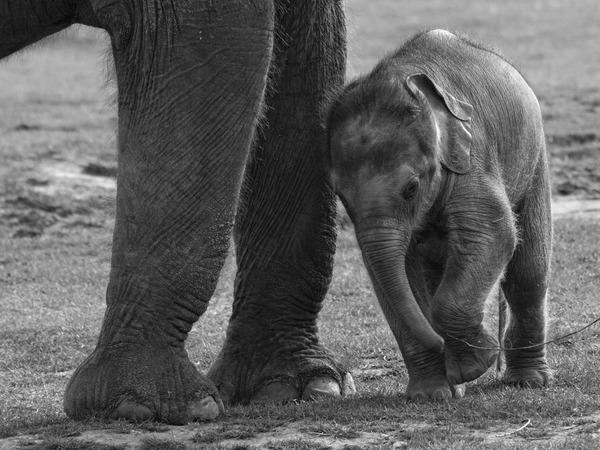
(438, 156)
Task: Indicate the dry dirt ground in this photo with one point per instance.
(291, 434)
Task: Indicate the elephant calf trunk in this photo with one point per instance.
(384, 253)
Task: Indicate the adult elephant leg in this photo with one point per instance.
(191, 79)
(525, 287)
(285, 230)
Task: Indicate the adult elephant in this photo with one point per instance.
(194, 79)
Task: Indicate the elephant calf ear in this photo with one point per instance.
(453, 120)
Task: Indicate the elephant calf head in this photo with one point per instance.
(388, 141)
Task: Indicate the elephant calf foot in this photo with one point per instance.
(436, 389)
(469, 357)
(141, 383)
(302, 375)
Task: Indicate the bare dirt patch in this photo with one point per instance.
(57, 195)
(530, 433)
(569, 207)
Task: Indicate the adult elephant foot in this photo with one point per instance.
(277, 373)
(435, 388)
(470, 355)
(536, 375)
(141, 383)
(317, 387)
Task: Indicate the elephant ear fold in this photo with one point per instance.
(452, 119)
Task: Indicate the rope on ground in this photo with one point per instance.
(515, 431)
(529, 346)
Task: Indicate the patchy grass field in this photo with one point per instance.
(57, 191)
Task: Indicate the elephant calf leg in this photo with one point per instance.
(427, 374)
(427, 379)
(470, 351)
(480, 250)
(525, 288)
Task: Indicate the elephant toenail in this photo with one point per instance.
(459, 391)
(348, 386)
(132, 411)
(321, 387)
(442, 395)
(276, 392)
(205, 409)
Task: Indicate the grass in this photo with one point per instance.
(57, 210)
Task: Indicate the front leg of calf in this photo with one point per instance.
(427, 379)
(482, 238)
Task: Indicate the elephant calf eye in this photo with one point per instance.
(410, 190)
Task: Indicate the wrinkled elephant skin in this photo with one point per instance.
(441, 169)
(192, 88)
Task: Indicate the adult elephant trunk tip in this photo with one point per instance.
(384, 251)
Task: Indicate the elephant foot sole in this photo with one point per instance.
(433, 389)
(141, 383)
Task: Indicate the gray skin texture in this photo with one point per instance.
(194, 78)
(439, 157)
